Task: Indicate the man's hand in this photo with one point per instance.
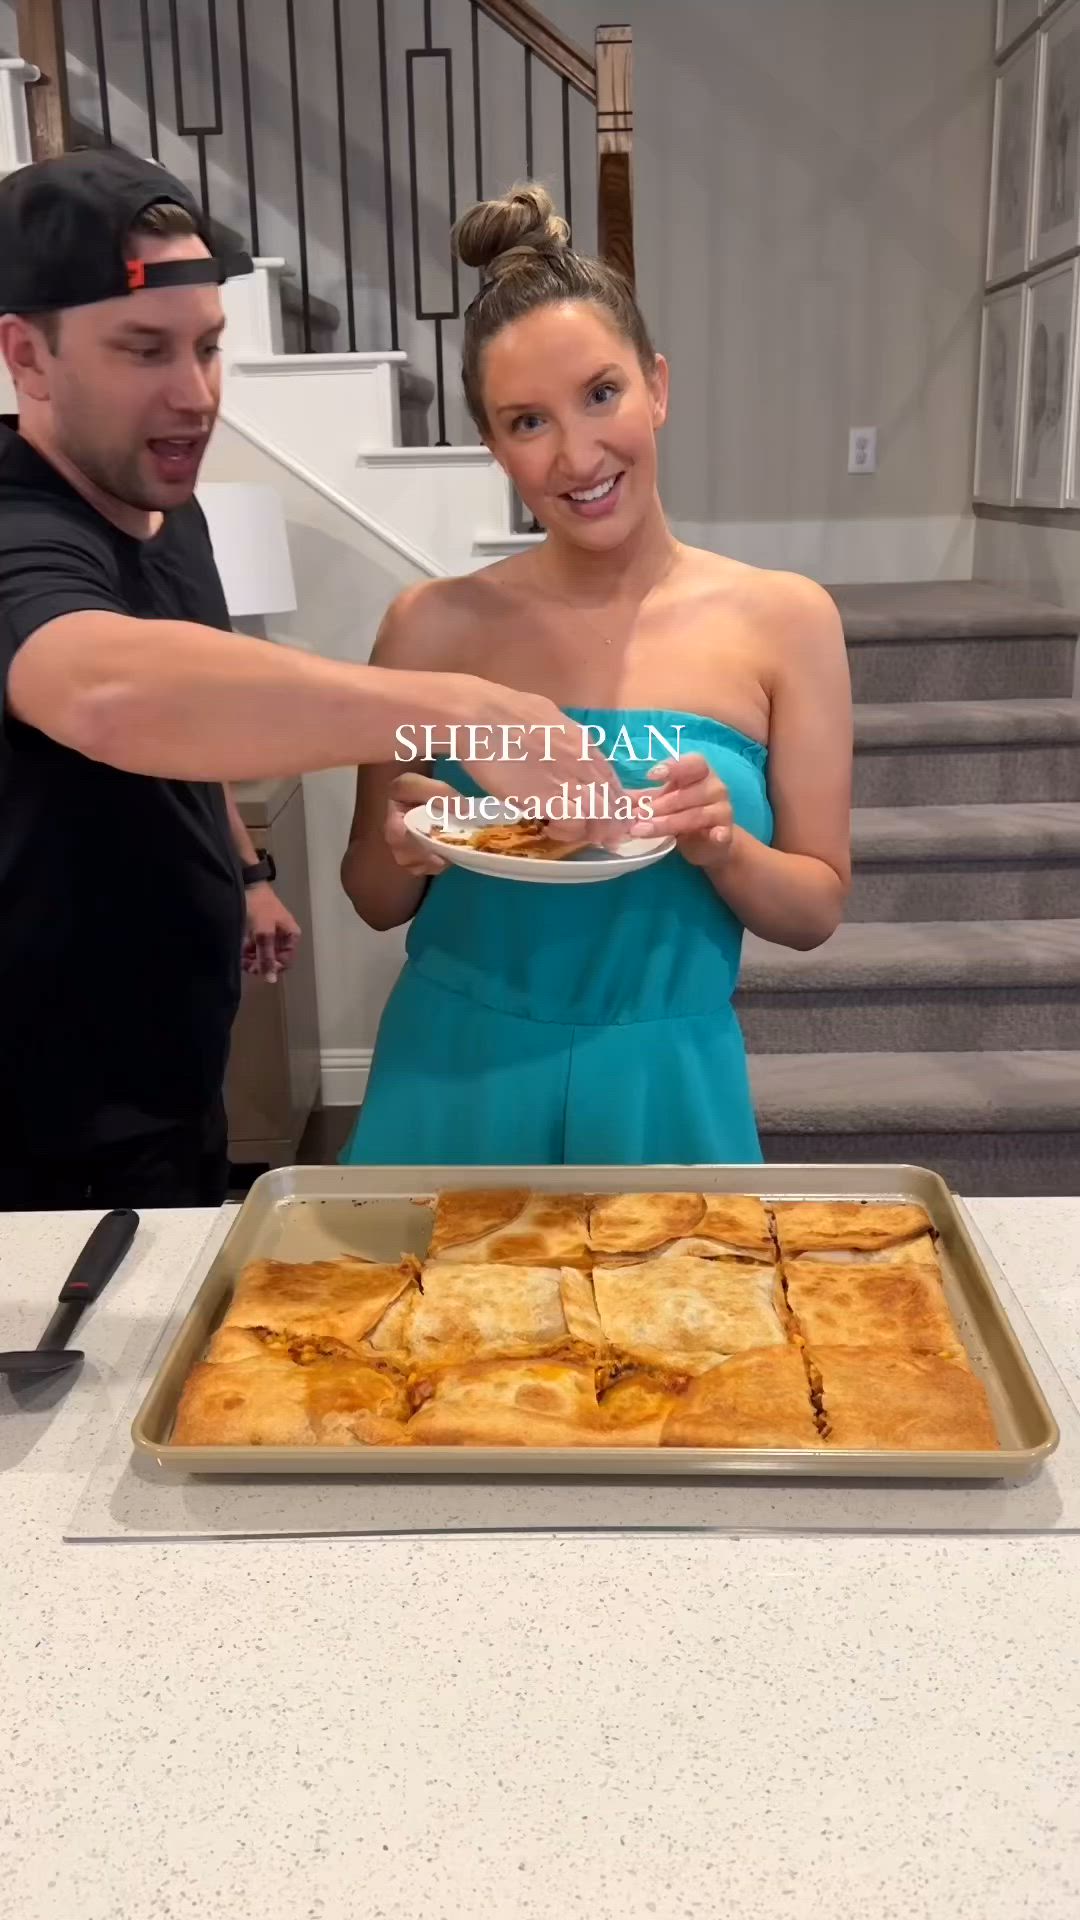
(694, 805)
(272, 935)
(546, 762)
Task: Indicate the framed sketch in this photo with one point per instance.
(1011, 175)
(1046, 387)
(1013, 19)
(999, 391)
(1056, 220)
(1072, 456)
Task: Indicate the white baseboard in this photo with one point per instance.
(840, 552)
(344, 1075)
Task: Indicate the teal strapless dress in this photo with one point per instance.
(573, 1025)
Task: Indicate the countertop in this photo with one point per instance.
(516, 1728)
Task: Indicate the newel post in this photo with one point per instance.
(614, 146)
(41, 44)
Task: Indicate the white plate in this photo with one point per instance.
(597, 863)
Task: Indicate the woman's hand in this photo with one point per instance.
(407, 791)
(694, 805)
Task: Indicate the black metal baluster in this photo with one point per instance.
(148, 69)
(528, 115)
(204, 180)
(438, 316)
(298, 168)
(388, 186)
(440, 376)
(215, 73)
(567, 203)
(451, 183)
(197, 133)
(440, 385)
(343, 168)
(478, 137)
(249, 142)
(102, 76)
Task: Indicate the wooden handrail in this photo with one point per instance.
(531, 30)
(606, 80)
(41, 42)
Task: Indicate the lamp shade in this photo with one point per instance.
(251, 547)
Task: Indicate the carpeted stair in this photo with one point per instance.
(965, 750)
(941, 1024)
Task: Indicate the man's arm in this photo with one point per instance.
(180, 701)
(185, 702)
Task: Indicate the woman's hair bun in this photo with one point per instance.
(522, 220)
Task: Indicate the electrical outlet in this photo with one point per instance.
(862, 450)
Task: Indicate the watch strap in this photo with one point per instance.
(263, 868)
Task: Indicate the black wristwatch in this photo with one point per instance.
(262, 869)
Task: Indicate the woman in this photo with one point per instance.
(594, 1024)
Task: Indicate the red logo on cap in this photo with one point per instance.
(136, 274)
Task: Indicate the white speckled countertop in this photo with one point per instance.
(512, 1728)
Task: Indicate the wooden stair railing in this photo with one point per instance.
(605, 78)
(530, 29)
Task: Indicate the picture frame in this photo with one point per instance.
(1072, 462)
(1014, 17)
(999, 397)
(1055, 221)
(1046, 388)
(1012, 166)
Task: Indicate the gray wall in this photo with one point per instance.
(811, 188)
(1041, 555)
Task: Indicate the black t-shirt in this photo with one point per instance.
(121, 905)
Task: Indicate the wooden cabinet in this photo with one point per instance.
(272, 1082)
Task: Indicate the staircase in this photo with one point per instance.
(941, 1023)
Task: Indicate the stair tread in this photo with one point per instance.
(488, 540)
(989, 831)
(974, 954)
(992, 1092)
(414, 386)
(437, 457)
(322, 313)
(335, 361)
(948, 610)
(919, 723)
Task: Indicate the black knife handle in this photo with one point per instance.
(101, 1256)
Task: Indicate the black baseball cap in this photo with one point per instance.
(65, 225)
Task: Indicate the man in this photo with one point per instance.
(127, 702)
